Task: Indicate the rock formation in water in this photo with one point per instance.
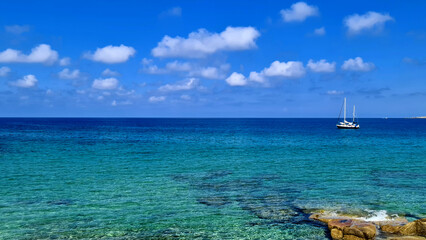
(345, 227)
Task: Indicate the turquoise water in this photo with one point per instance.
(203, 178)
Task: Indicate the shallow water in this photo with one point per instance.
(203, 178)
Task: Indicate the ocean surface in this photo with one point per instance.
(101, 178)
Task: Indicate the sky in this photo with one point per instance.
(212, 58)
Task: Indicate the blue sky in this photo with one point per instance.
(212, 58)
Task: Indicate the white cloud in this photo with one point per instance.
(17, 29)
(179, 66)
(334, 92)
(257, 77)
(67, 74)
(111, 54)
(291, 69)
(357, 64)
(298, 12)
(192, 70)
(319, 31)
(4, 71)
(236, 79)
(155, 99)
(65, 61)
(371, 20)
(202, 43)
(27, 81)
(105, 84)
(146, 61)
(173, 12)
(115, 103)
(40, 54)
(321, 66)
(109, 72)
(207, 72)
(189, 84)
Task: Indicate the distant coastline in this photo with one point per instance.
(423, 117)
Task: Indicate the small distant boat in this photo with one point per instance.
(345, 124)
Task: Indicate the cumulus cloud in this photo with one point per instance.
(257, 77)
(319, 31)
(236, 79)
(4, 71)
(109, 72)
(17, 29)
(172, 12)
(357, 64)
(207, 72)
(67, 74)
(105, 84)
(188, 84)
(155, 99)
(40, 54)
(65, 61)
(27, 81)
(202, 43)
(192, 70)
(290, 69)
(321, 66)
(111, 54)
(371, 20)
(298, 12)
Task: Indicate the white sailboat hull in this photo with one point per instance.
(347, 125)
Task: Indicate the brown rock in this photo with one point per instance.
(336, 233)
(325, 218)
(416, 228)
(352, 237)
(421, 227)
(406, 238)
(352, 229)
(390, 227)
(409, 229)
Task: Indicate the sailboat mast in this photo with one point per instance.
(353, 115)
(344, 113)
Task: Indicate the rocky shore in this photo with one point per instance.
(343, 227)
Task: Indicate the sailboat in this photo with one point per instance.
(345, 124)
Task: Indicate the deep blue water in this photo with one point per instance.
(166, 178)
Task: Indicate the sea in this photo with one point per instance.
(183, 178)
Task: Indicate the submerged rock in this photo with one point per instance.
(214, 201)
(216, 174)
(349, 229)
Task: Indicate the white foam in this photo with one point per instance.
(377, 216)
